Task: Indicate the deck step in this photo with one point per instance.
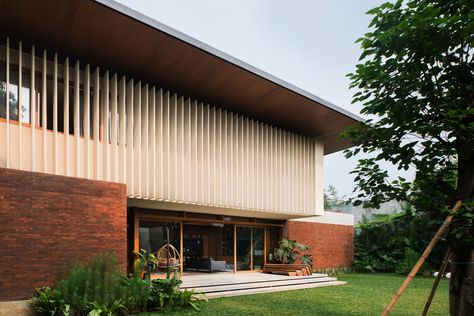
(272, 289)
(266, 278)
(233, 285)
(257, 285)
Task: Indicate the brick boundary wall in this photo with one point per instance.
(48, 220)
(332, 245)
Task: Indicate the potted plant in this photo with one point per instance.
(145, 263)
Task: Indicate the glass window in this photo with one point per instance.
(153, 235)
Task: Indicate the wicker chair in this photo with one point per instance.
(168, 258)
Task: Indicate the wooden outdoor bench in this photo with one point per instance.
(288, 269)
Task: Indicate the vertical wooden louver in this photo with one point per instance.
(164, 146)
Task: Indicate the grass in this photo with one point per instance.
(364, 294)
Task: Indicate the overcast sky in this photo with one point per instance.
(309, 43)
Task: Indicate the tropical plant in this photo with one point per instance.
(411, 257)
(136, 293)
(415, 81)
(288, 251)
(115, 309)
(145, 262)
(166, 293)
(191, 298)
(46, 302)
(307, 258)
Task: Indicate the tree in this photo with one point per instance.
(416, 77)
(332, 197)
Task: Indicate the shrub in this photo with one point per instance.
(380, 244)
(98, 289)
(47, 302)
(96, 281)
(136, 293)
(288, 251)
(166, 294)
(411, 257)
(336, 272)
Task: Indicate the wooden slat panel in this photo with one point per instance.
(166, 147)
(122, 129)
(86, 122)
(55, 113)
(77, 122)
(137, 134)
(106, 126)
(152, 142)
(160, 140)
(113, 127)
(33, 107)
(96, 124)
(20, 104)
(7, 101)
(144, 143)
(66, 118)
(130, 138)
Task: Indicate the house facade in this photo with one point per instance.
(115, 129)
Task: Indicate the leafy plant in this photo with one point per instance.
(288, 251)
(46, 302)
(189, 298)
(307, 258)
(116, 308)
(136, 293)
(145, 262)
(166, 293)
(411, 257)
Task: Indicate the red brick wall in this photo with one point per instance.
(331, 245)
(47, 220)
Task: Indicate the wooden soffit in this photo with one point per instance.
(108, 34)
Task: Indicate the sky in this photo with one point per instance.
(308, 43)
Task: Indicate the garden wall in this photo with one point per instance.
(48, 220)
(331, 238)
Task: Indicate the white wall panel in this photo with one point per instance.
(164, 146)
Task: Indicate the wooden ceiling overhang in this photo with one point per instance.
(110, 35)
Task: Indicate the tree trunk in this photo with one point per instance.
(461, 286)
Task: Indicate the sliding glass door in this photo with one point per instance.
(258, 248)
(250, 246)
(244, 248)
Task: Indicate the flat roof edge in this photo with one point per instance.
(142, 18)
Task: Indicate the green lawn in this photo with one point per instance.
(364, 294)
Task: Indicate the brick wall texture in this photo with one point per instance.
(331, 245)
(47, 221)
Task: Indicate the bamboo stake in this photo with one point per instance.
(420, 261)
(441, 271)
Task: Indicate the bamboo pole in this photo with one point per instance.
(441, 271)
(420, 261)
